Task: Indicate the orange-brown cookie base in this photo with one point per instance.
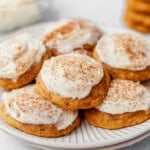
(9, 84)
(139, 5)
(38, 130)
(136, 26)
(109, 121)
(143, 75)
(137, 18)
(95, 98)
(115, 73)
(137, 21)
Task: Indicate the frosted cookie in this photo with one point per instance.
(27, 111)
(73, 81)
(21, 59)
(126, 56)
(66, 36)
(127, 103)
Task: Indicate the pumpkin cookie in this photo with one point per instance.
(73, 81)
(139, 5)
(125, 56)
(138, 18)
(126, 104)
(27, 111)
(66, 36)
(21, 60)
(136, 26)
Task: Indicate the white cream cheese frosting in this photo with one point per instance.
(71, 75)
(26, 106)
(124, 51)
(125, 96)
(67, 35)
(18, 54)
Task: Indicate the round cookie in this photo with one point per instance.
(21, 60)
(73, 81)
(139, 5)
(112, 122)
(125, 56)
(127, 107)
(66, 36)
(27, 111)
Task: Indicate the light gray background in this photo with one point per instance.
(105, 13)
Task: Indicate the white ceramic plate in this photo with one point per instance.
(112, 147)
(85, 136)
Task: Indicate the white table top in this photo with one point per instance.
(105, 13)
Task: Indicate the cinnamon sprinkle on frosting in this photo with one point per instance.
(125, 96)
(26, 106)
(71, 75)
(18, 54)
(67, 35)
(124, 51)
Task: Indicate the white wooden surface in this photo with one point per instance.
(106, 13)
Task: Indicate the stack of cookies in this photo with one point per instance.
(137, 15)
(98, 75)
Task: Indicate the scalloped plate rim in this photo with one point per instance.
(35, 139)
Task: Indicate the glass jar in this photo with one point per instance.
(19, 13)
